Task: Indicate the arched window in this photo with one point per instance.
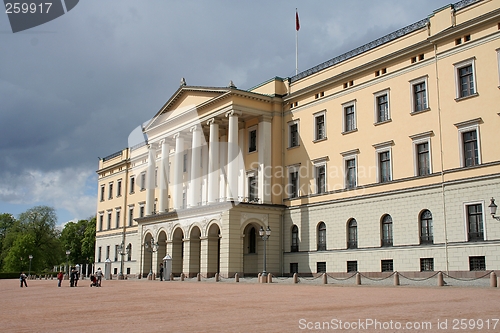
(387, 230)
(322, 236)
(295, 239)
(352, 242)
(251, 241)
(426, 232)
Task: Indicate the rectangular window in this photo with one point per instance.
(321, 267)
(475, 222)
(132, 185)
(184, 162)
(294, 184)
(352, 266)
(119, 188)
(319, 126)
(293, 134)
(423, 163)
(382, 112)
(252, 187)
(101, 222)
(102, 192)
(143, 181)
(350, 175)
(294, 268)
(107, 252)
(465, 79)
(419, 94)
(110, 191)
(109, 220)
(252, 139)
(128, 270)
(116, 253)
(321, 179)
(426, 264)
(99, 254)
(349, 118)
(387, 265)
(117, 219)
(141, 211)
(384, 160)
(477, 263)
(130, 217)
(470, 148)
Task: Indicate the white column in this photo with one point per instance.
(163, 177)
(241, 165)
(195, 181)
(264, 148)
(223, 168)
(232, 156)
(204, 166)
(150, 180)
(213, 162)
(177, 178)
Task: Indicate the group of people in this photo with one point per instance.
(74, 276)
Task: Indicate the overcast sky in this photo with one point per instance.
(73, 89)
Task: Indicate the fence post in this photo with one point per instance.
(269, 278)
(440, 279)
(493, 280)
(182, 276)
(198, 277)
(217, 277)
(236, 278)
(396, 279)
(358, 279)
(259, 276)
(325, 278)
(295, 278)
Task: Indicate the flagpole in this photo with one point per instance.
(296, 42)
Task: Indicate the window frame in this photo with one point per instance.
(467, 222)
(346, 157)
(103, 192)
(413, 84)
(352, 234)
(117, 217)
(132, 184)
(376, 96)
(110, 190)
(255, 193)
(293, 169)
(416, 141)
(457, 67)
(294, 245)
(290, 124)
(110, 217)
(317, 115)
(345, 107)
(382, 148)
(426, 263)
(119, 188)
(249, 136)
(386, 242)
(130, 215)
(428, 237)
(321, 240)
(464, 127)
(317, 186)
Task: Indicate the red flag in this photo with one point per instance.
(297, 24)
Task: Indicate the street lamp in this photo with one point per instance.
(265, 234)
(122, 250)
(67, 260)
(29, 272)
(493, 209)
(151, 247)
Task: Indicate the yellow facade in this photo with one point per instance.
(384, 158)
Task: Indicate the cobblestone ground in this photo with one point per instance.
(248, 306)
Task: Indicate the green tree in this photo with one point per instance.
(7, 221)
(35, 233)
(88, 242)
(79, 238)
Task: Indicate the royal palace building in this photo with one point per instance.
(384, 158)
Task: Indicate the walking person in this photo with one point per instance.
(22, 279)
(98, 274)
(77, 277)
(72, 277)
(161, 271)
(60, 277)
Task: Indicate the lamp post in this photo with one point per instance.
(67, 260)
(265, 234)
(493, 209)
(29, 271)
(122, 250)
(151, 247)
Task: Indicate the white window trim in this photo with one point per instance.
(291, 169)
(101, 225)
(290, 124)
(382, 148)
(250, 129)
(466, 222)
(412, 93)
(316, 115)
(375, 105)
(346, 157)
(251, 173)
(119, 185)
(468, 126)
(103, 193)
(318, 164)
(416, 140)
(344, 106)
(458, 66)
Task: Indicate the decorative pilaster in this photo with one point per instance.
(195, 182)
(178, 170)
(213, 162)
(232, 156)
(163, 177)
(150, 180)
(264, 148)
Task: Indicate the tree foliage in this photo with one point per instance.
(79, 239)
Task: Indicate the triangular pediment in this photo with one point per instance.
(186, 99)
